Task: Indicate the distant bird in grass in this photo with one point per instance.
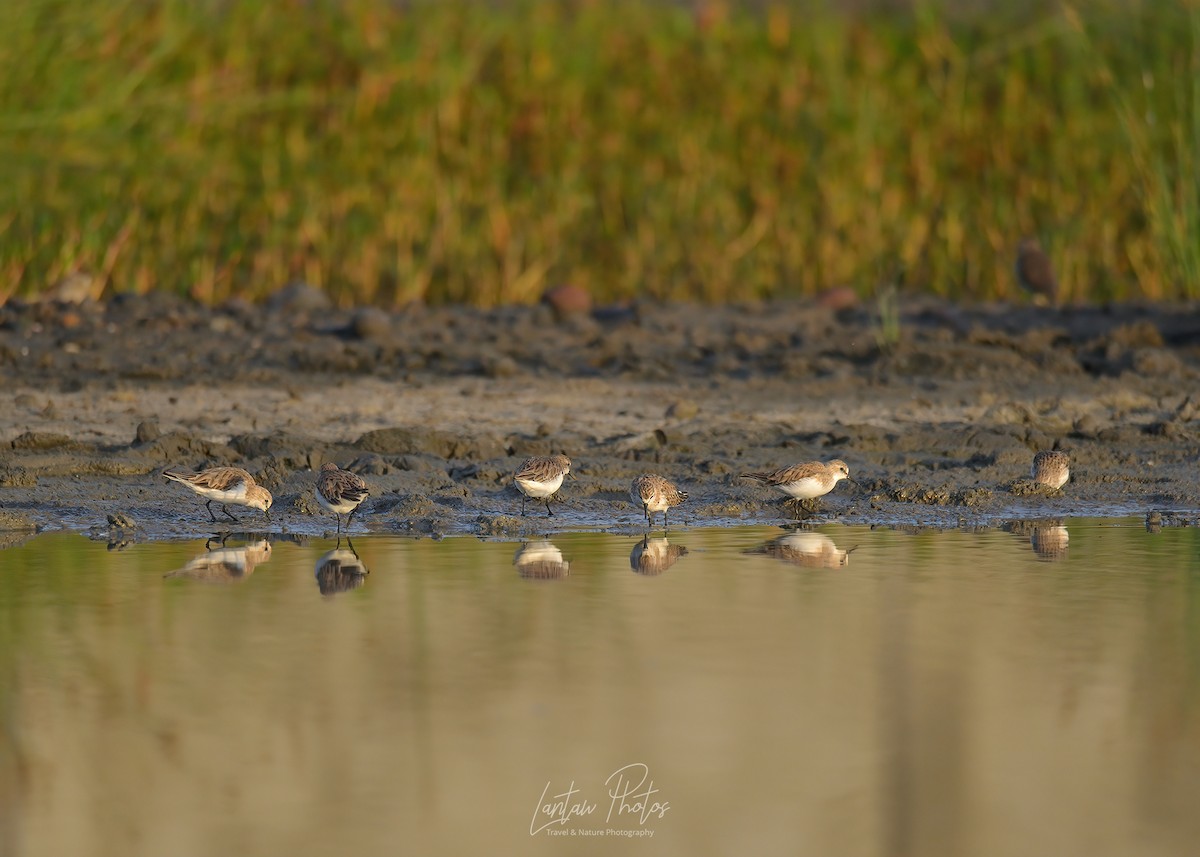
(340, 492)
(225, 485)
(1034, 272)
(655, 493)
(540, 477)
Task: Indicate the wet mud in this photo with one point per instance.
(436, 407)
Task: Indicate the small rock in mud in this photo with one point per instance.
(971, 497)
(1029, 488)
(370, 464)
(17, 477)
(921, 494)
(406, 441)
(15, 522)
(305, 503)
(498, 525)
(36, 440)
(121, 521)
(682, 409)
(299, 297)
(147, 432)
(371, 323)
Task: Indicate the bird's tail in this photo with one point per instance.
(173, 476)
(759, 477)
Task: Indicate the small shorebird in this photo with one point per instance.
(805, 481)
(1034, 272)
(654, 556)
(340, 491)
(655, 493)
(540, 477)
(1051, 467)
(225, 485)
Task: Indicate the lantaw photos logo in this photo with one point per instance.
(631, 803)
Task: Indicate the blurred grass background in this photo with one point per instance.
(394, 152)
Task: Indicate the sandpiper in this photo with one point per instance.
(655, 493)
(540, 477)
(1051, 467)
(1034, 272)
(805, 481)
(225, 485)
(340, 491)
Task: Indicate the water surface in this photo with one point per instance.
(841, 691)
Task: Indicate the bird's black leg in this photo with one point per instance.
(225, 509)
(339, 522)
(646, 509)
(549, 514)
(211, 516)
(523, 499)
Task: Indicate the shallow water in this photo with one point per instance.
(842, 691)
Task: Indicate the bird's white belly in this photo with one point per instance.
(339, 508)
(533, 488)
(236, 495)
(805, 489)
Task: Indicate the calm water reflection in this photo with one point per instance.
(806, 549)
(340, 569)
(654, 556)
(541, 560)
(941, 693)
(221, 564)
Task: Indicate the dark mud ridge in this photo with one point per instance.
(436, 407)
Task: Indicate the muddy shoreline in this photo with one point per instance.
(435, 407)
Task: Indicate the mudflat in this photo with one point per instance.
(938, 419)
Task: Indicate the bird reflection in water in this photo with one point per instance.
(806, 549)
(1048, 538)
(1049, 541)
(340, 570)
(654, 556)
(223, 564)
(541, 560)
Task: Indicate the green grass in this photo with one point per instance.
(456, 152)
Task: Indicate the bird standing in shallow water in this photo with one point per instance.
(340, 491)
(225, 485)
(540, 477)
(655, 493)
